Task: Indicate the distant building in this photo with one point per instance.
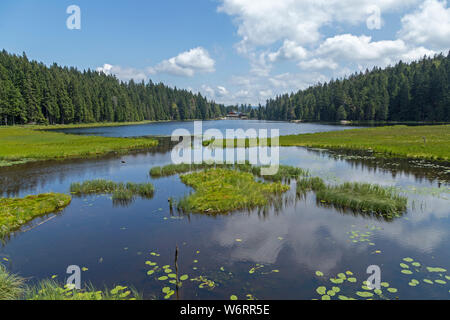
(236, 115)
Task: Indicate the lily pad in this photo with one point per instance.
(321, 290)
(319, 274)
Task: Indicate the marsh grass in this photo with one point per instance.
(52, 290)
(363, 197)
(14, 287)
(310, 184)
(19, 145)
(11, 286)
(15, 212)
(219, 191)
(284, 172)
(122, 194)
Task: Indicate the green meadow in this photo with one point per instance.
(424, 142)
(15, 212)
(21, 145)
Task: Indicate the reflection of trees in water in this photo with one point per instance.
(422, 170)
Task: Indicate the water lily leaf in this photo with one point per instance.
(233, 297)
(408, 259)
(326, 297)
(166, 290)
(385, 284)
(406, 271)
(364, 294)
(343, 298)
(150, 272)
(428, 281)
(416, 264)
(404, 266)
(319, 274)
(336, 289)
(432, 269)
(352, 280)
(331, 293)
(84, 269)
(440, 281)
(321, 290)
(392, 290)
(163, 278)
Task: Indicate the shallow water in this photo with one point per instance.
(296, 239)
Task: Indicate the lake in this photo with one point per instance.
(261, 254)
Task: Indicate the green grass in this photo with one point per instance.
(358, 197)
(12, 286)
(363, 197)
(121, 193)
(284, 172)
(15, 212)
(310, 184)
(20, 145)
(425, 142)
(219, 191)
(52, 290)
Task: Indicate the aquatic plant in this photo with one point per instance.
(284, 172)
(223, 190)
(15, 212)
(363, 197)
(310, 184)
(121, 193)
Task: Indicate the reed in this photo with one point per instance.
(363, 197)
(11, 286)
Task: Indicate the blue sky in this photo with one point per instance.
(233, 51)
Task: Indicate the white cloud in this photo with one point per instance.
(187, 63)
(429, 25)
(124, 74)
(289, 51)
(264, 22)
(318, 64)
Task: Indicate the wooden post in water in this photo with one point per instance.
(176, 272)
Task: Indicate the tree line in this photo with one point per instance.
(31, 92)
(419, 91)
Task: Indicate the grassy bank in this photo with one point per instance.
(15, 212)
(121, 193)
(14, 287)
(222, 190)
(425, 142)
(20, 145)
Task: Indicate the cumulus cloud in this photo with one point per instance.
(187, 63)
(124, 74)
(264, 22)
(289, 51)
(428, 25)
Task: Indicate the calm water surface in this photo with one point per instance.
(286, 245)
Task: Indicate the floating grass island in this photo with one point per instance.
(15, 212)
(121, 193)
(20, 145)
(358, 197)
(284, 172)
(223, 190)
